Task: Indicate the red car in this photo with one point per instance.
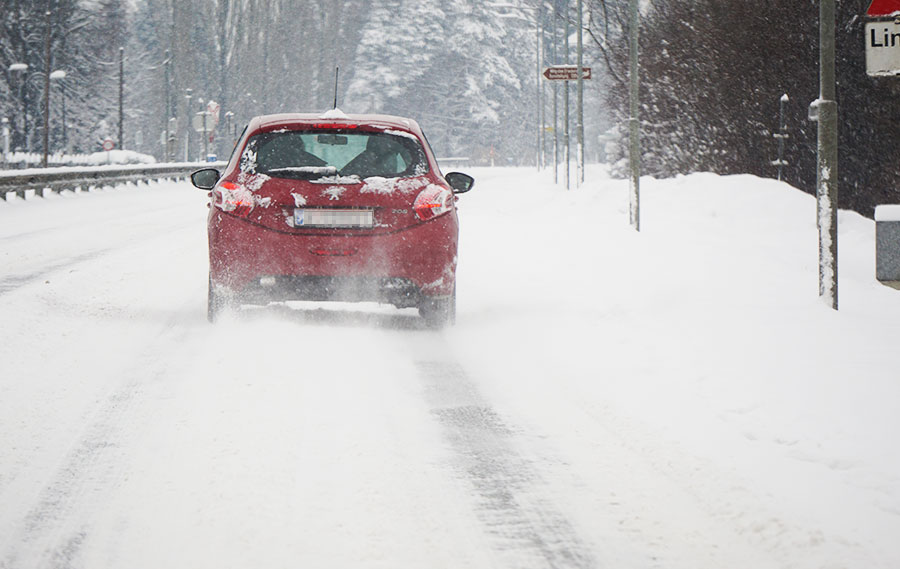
(333, 207)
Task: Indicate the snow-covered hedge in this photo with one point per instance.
(18, 160)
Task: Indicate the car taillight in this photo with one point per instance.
(235, 198)
(432, 202)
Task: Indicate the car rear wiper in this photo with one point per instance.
(303, 172)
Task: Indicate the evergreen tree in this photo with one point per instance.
(458, 67)
(712, 75)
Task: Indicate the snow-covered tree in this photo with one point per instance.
(84, 40)
(713, 73)
(458, 67)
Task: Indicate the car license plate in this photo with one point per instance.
(342, 218)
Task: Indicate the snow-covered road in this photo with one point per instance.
(592, 408)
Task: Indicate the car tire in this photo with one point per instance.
(439, 313)
(216, 303)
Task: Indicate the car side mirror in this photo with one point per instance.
(206, 178)
(461, 183)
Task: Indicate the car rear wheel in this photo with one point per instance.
(439, 312)
(216, 303)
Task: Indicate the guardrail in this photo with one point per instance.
(453, 162)
(42, 180)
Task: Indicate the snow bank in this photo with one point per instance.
(887, 213)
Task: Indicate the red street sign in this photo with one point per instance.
(567, 73)
(880, 8)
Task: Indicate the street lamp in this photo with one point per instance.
(187, 146)
(167, 114)
(5, 140)
(60, 75)
(21, 68)
(204, 134)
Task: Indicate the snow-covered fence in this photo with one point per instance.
(41, 180)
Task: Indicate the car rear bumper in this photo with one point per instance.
(399, 268)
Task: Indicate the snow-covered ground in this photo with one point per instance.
(674, 398)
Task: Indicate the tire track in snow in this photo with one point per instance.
(31, 240)
(13, 282)
(58, 523)
(507, 488)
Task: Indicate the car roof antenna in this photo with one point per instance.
(336, 69)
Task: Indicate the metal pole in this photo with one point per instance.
(541, 88)
(48, 62)
(166, 156)
(205, 136)
(202, 134)
(827, 152)
(555, 94)
(187, 145)
(122, 98)
(634, 128)
(20, 69)
(579, 128)
(65, 136)
(537, 84)
(781, 135)
(5, 140)
(566, 94)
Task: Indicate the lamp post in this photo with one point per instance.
(21, 68)
(167, 113)
(579, 122)
(60, 75)
(539, 30)
(205, 134)
(187, 146)
(566, 155)
(555, 59)
(634, 128)
(122, 98)
(5, 140)
(171, 138)
(827, 158)
(48, 62)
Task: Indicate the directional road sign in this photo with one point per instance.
(566, 73)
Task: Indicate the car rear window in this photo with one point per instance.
(310, 154)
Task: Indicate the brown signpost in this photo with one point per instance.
(566, 73)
